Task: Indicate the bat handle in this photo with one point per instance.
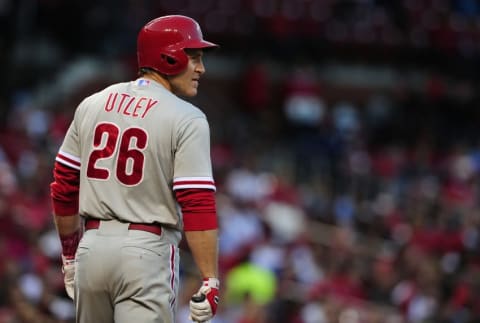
(198, 299)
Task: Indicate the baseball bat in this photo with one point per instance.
(198, 299)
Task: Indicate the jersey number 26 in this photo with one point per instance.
(127, 149)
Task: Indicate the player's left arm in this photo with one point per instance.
(204, 248)
(200, 227)
(195, 193)
(201, 233)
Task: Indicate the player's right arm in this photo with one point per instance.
(64, 194)
(64, 191)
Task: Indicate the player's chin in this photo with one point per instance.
(191, 92)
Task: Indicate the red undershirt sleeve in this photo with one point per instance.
(198, 209)
(64, 190)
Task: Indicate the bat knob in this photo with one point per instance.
(198, 298)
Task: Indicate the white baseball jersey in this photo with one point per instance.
(134, 144)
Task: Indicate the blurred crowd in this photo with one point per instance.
(345, 146)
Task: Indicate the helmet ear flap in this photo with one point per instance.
(168, 59)
(173, 62)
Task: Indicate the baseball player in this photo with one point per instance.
(132, 173)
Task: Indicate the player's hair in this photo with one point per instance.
(145, 70)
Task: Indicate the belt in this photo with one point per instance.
(91, 224)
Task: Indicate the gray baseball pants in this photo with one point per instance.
(126, 276)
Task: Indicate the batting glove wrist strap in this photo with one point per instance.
(209, 283)
(68, 270)
(203, 305)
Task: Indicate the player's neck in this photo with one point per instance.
(159, 79)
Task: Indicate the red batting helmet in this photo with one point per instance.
(161, 43)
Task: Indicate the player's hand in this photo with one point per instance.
(68, 270)
(203, 304)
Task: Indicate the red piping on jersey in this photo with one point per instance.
(183, 183)
(64, 190)
(192, 182)
(198, 209)
(65, 158)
